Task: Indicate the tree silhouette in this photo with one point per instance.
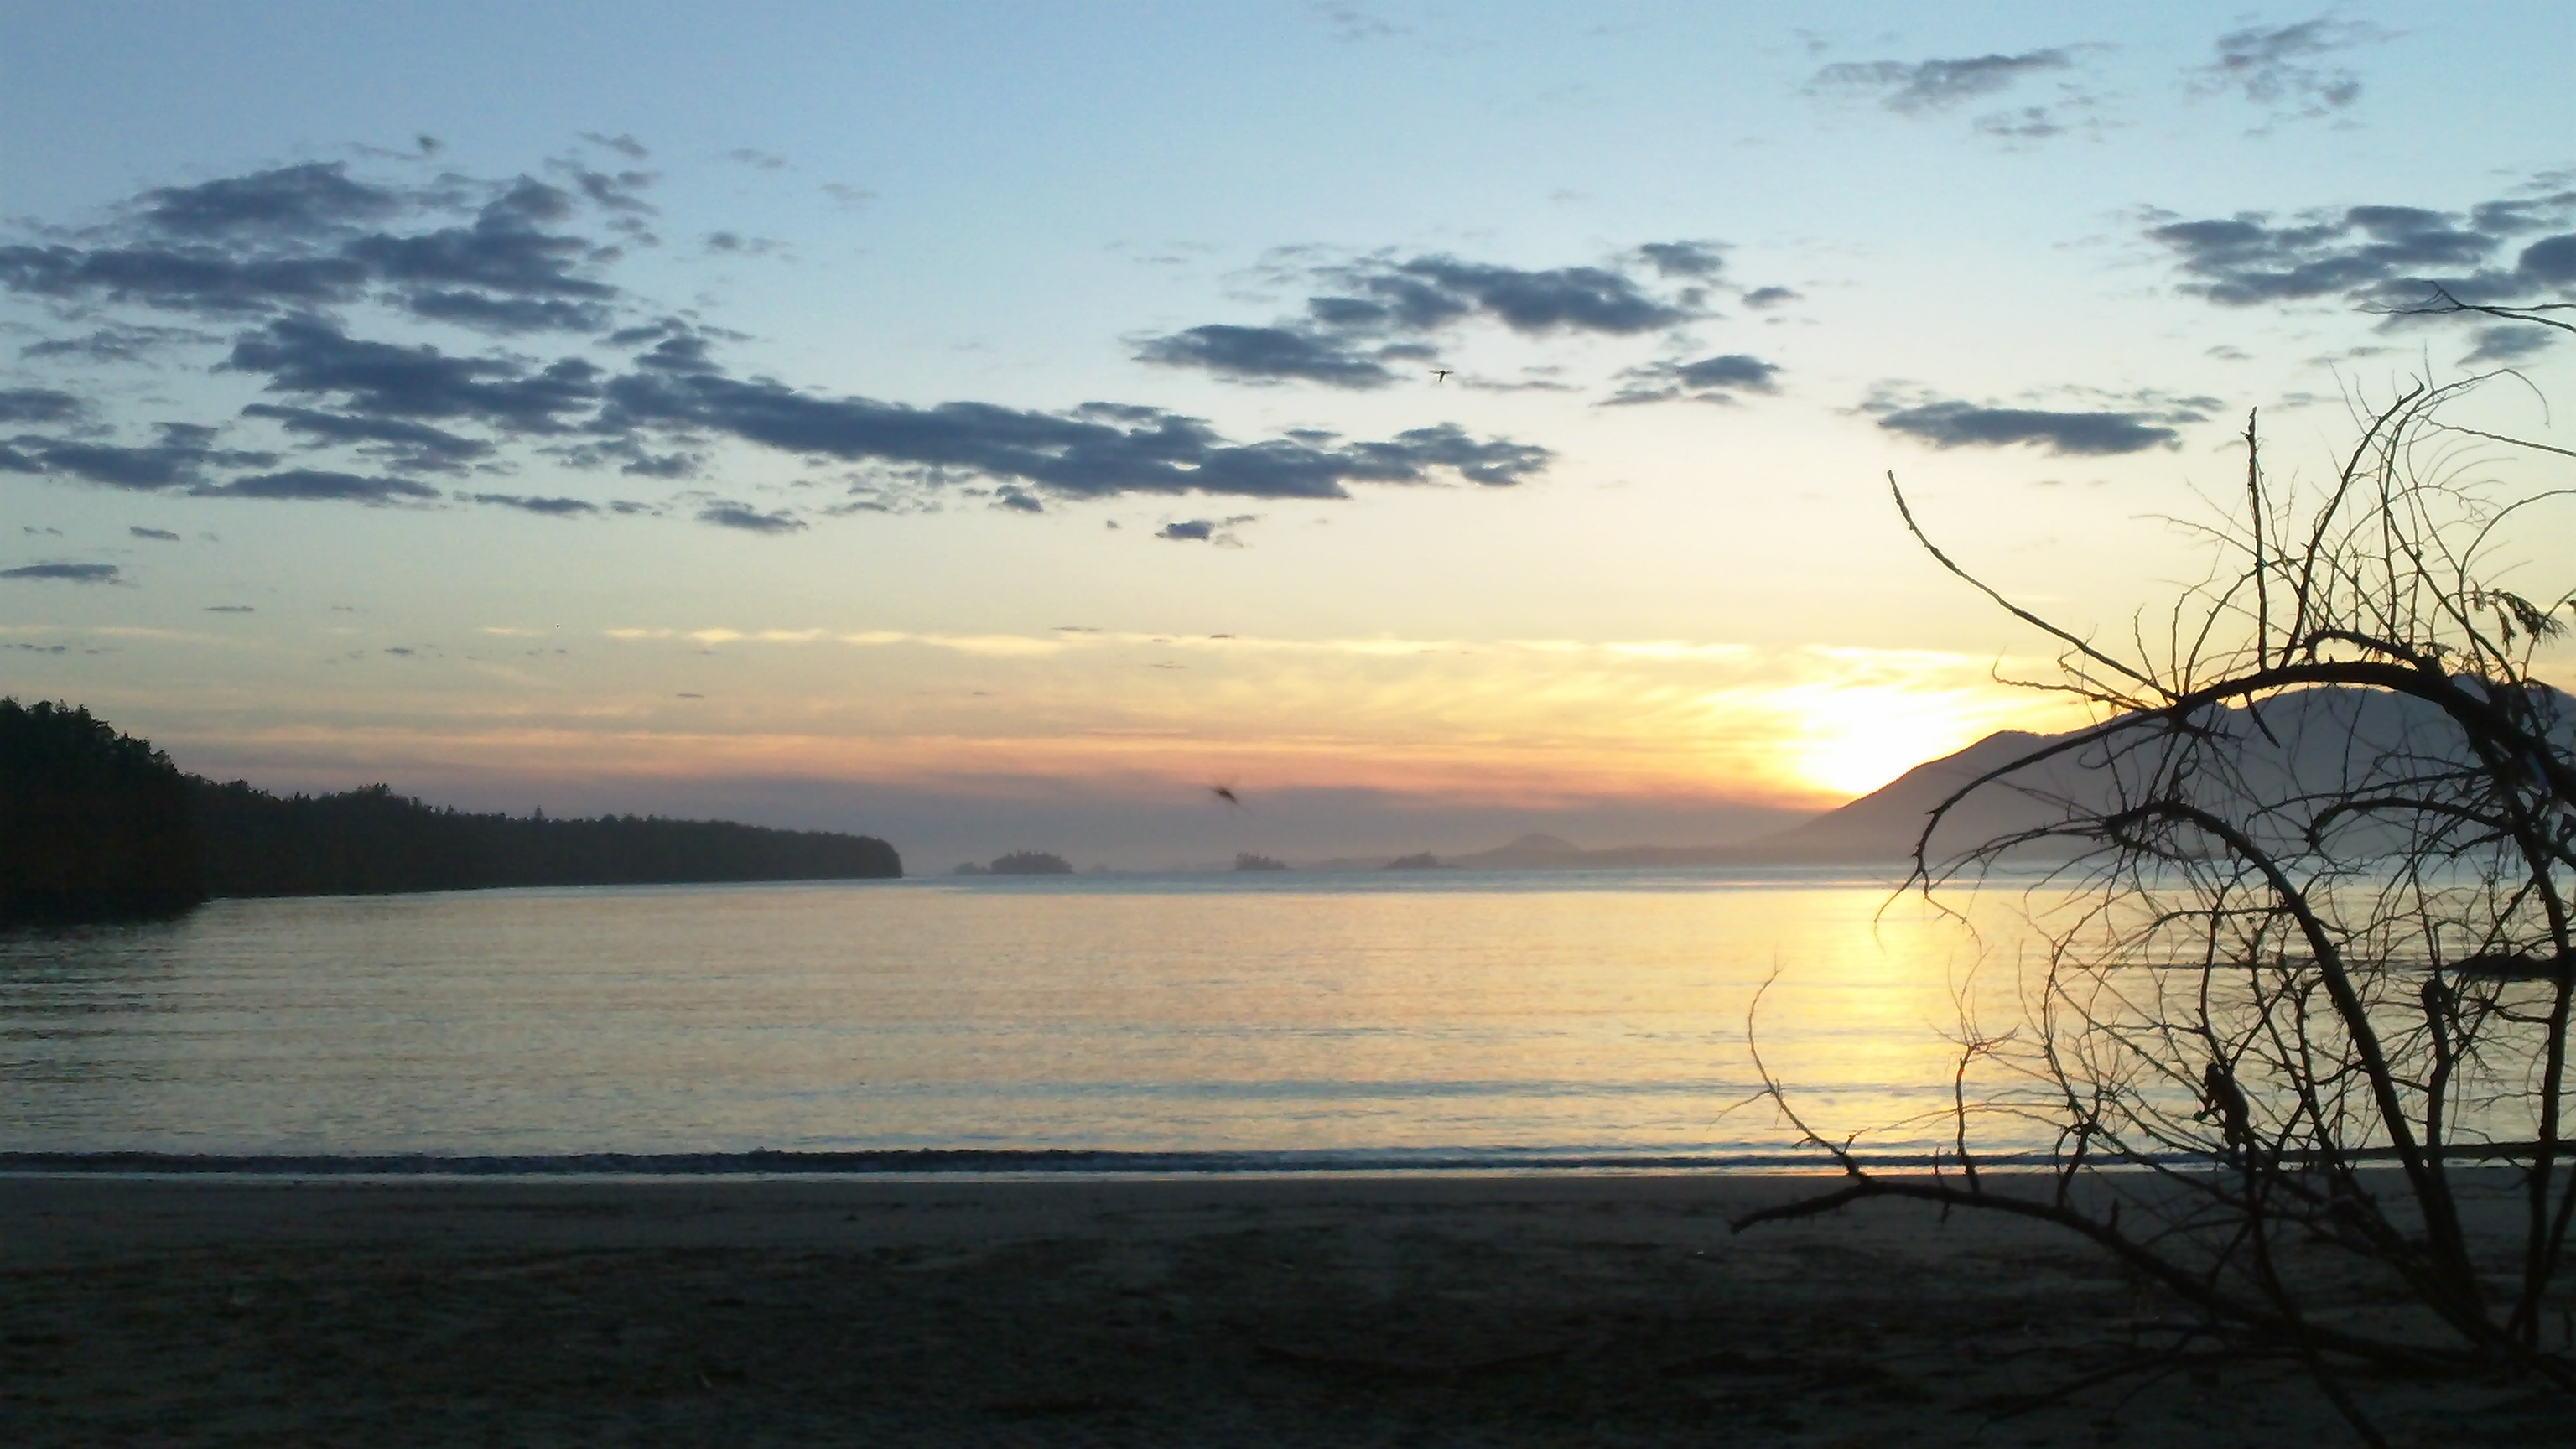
(2307, 947)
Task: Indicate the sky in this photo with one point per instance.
(993, 426)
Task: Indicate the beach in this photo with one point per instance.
(1429, 1309)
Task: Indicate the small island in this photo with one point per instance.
(1027, 862)
(1246, 860)
(1425, 861)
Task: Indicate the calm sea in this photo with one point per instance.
(1348, 1019)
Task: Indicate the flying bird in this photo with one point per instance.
(1439, 375)
(1226, 794)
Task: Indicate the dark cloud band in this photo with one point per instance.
(2386, 255)
(2089, 434)
(1099, 450)
(1383, 310)
(70, 573)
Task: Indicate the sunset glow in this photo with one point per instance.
(1504, 447)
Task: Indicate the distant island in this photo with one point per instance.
(1246, 860)
(98, 825)
(1020, 862)
(1425, 861)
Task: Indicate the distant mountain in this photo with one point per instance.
(1884, 824)
(1530, 852)
(2316, 741)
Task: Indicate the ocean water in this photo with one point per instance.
(1358, 1019)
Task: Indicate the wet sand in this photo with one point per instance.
(1426, 1310)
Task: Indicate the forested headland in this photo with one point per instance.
(95, 824)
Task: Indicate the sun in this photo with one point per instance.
(1849, 741)
(1858, 756)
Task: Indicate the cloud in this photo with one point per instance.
(1207, 530)
(489, 255)
(161, 534)
(292, 201)
(1684, 259)
(73, 573)
(1267, 354)
(749, 520)
(2030, 123)
(414, 446)
(2379, 254)
(506, 248)
(758, 160)
(2511, 344)
(550, 507)
(1763, 298)
(199, 280)
(314, 356)
(740, 245)
(306, 262)
(2270, 67)
(1349, 23)
(2084, 434)
(1917, 87)
(1433, 291)
(623, 144)
(116, 342)
(509, 314)
(1710, 379)
(315, 485)
(230, 609)
(1378, 310)
(38, 405)
(1095, 451)
(181, 458)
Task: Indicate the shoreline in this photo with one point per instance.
(1004, 1164)
(1361, 1309)
(998, 1163)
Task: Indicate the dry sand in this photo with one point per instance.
(1217, 1311)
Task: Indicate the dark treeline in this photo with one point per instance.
(367, 841)
(98, 825)
(93, 824)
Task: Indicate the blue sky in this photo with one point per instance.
(990, 425)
